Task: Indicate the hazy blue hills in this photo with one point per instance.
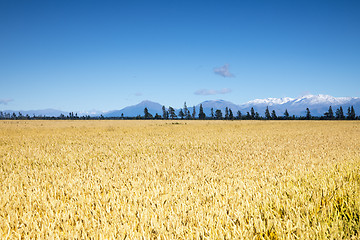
(318, 105)
(135, 110)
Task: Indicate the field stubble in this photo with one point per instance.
(180, 180)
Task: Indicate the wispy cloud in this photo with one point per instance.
(5, 101)
(223, 71)
(138, 94)
(205, 92)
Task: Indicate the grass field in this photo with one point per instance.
(180, 179)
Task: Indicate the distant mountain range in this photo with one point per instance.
(135, 110)
(318, 105)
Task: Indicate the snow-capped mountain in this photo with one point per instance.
(318, 104)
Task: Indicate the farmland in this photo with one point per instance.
(180, 179)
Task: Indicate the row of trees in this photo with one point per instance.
(217, 114)
(184, 113)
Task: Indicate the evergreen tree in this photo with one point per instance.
(186, 111)
(353, 116)
(194, 113)
(172, 113)
(252, 112)
(273, 115)
(218, 114)
(201, 113)
(147, 114)
(181, 114)
(157, 116)
(231, 115)
(257, 116)
(248, 116)
(164, 115)
(212, 113)
(286, 114)
(329, 114)
(188, 115)
(351, 113)
(226, 113)
(267, 114)
(308, 114)
(339, 114)
(238, 115)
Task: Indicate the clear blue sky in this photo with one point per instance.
(83, 54)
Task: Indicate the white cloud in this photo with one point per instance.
(223, 71)
(212, 91)
(5, 101)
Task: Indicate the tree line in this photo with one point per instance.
(191, 114)
(217, 114)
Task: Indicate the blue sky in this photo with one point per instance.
(82, 55)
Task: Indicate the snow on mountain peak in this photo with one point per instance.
(270, 101)
(322, 98)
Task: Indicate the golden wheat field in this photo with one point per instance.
(180, 179)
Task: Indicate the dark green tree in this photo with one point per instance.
(212, 113)
(226, 113)
(231, 115)
(147, 115)
(188, 115)
(257, 116)
(273, 115)
(194, 113)
(157, 116)
(252, 113)
(308, 114)
(286, 114)
(185, 110)
(238, 115)
(329, 114)
(267, 114)
(181, 114)
(165, 113)
(339, 114)
(202, 115)
(218, 114)
(351, 113)
(171, 112)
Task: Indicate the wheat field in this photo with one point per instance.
(179, 179)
